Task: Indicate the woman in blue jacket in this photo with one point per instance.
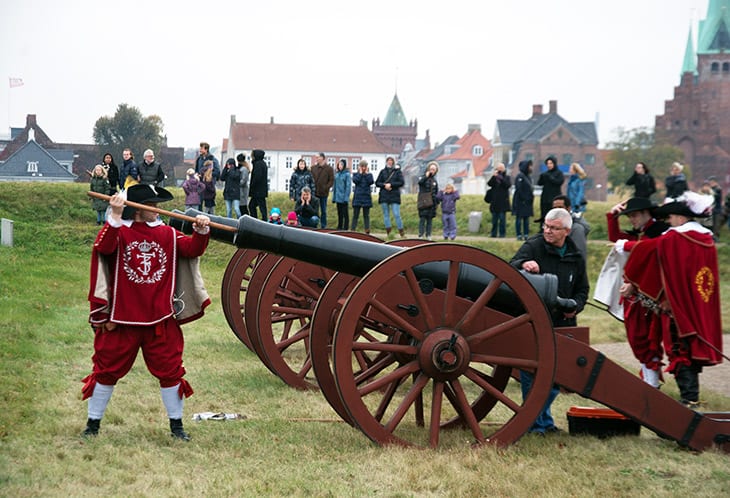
(341, 194)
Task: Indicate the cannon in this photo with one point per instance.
(408, 343)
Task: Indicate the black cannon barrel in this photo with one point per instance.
(357, 257)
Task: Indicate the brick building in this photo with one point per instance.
(697, 119)
(545, 134)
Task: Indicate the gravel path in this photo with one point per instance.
(716, 378)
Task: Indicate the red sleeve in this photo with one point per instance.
(193, 246)
(614, 231)
(107, 239)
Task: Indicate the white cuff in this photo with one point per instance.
(619, 245)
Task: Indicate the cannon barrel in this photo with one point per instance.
(358, 257)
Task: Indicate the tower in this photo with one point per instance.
(395, 131)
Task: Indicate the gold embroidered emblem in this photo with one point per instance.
(705, 283)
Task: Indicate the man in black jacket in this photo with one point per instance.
(258, 184)
(205, 155)
(552, 251)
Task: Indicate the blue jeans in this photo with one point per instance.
(387, 208)
(236, 205)
(323, 210)
(522, 226)
(499, 226)
(309, 222)
(449, 221)
(544, 420)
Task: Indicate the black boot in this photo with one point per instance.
(688, 381)
(176, 429)
(92, 427)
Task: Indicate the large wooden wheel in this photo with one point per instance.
(284, 308)
(234, 287)
(403, 346)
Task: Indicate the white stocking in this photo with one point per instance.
(99, 400)
(172, 401)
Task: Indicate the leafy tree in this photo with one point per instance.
(129, 128)
(636, 145)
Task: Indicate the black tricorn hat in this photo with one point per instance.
(638, 204)
(689, 204)
(144, 194)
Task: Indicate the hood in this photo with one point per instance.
(525, 166)
(258, 154)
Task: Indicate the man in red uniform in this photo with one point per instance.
(144, 283)
(677, 276)
(642, 328)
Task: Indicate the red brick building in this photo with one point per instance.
(697, 119)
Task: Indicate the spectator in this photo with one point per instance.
(275, 216)
(132, 302)
(552, 182)
(447, 198)
(580, 229)
(231, 176)
(716, 207)
(677, 277)
(522, 201)
(554, 252)
(362, 196)
(193, 188)
(100, 184)
(428, 187)
(291, 219)
(301, 177)
(499, 184)
(259, 185)
(307, 209)
(676, 182)
(324, 178)
(112, 172)
(205, 155)
(209, 193)
(341, 194)
(245, 170)
(642, 181)
(390, 181)
(129, 175)
(576, 189)
(150, 173)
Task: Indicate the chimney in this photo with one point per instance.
(536, 110)
(474, 127)
(553, 107)
(233, 119)
(30, 121)
(271, 121)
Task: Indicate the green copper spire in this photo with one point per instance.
(714, 36)
(690, 58)
(395, 116)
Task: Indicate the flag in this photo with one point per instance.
(15, 82)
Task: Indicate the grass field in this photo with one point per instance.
(291, 443)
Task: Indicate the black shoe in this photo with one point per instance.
(176, 429)
(553, 430)
(92, 428)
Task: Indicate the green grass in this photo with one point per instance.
(292, 442)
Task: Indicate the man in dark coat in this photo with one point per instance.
(390, 181)
(324, 178)
(523, 199)
(554, 252)
(552, 182)
(259, 184)
(205, 155)
(499, 201)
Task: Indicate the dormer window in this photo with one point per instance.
(32, 166)
(477, 150)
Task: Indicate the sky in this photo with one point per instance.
(452, 64)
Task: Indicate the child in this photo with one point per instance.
(209, 192)
(292, 220)
(99, 183)
(193, 187)
(448, 197)
(275, 216)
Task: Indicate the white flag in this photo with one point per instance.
(15, 82)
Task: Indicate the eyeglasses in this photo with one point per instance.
(551, 228)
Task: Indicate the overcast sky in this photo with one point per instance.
(195, 63)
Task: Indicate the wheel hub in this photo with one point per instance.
(444, 355)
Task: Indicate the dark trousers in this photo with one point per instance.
(343, 216)
(365, 217)
(260, 203)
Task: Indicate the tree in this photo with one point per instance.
(636, 145)
(128, 128)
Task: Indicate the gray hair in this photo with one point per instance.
(306, 189)
(561, 215)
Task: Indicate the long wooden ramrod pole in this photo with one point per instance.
(163, 212)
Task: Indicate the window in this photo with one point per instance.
(590, 159)
(477, 151)
(567, 158)
(308, 161)
(289, 162)
(267, 160)
(32, 166)
(530, 157)
(331, 162)
(725, 67)
(374, 165)
(355, 162)
(286, 185)
(715, 67)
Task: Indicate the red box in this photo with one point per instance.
(600, 422)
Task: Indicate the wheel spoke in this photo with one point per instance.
(407, 401)
(420, 298)
(300, 335)
(504, 361)
(436, 402)
(397, 320)
(394, 376)
(478, 305)
(385, 401)
(470, 419)
(306, 367)
(450, 294)
(375, 368)
(502, 328)
(385, 346)
(303, 285)
(475, 377)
